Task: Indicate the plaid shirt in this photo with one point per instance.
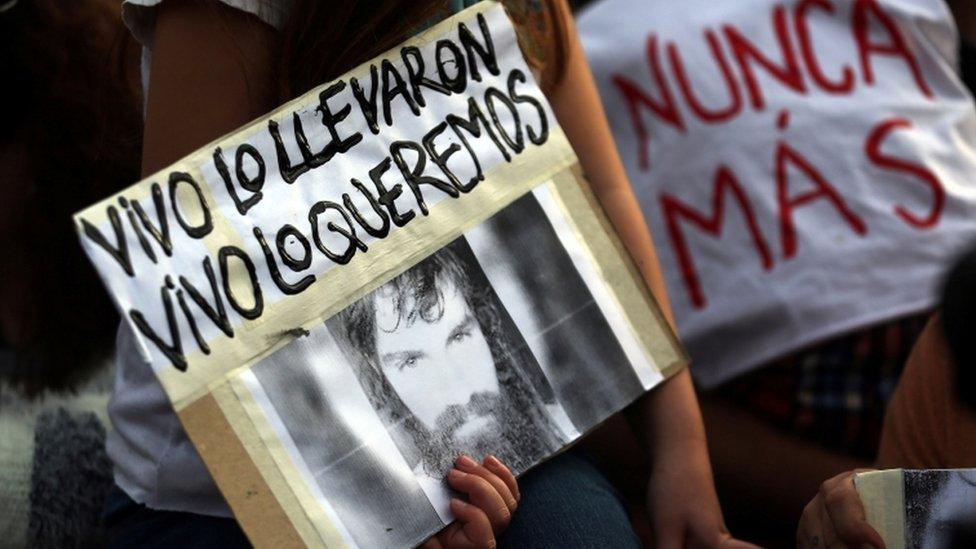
(834, 393)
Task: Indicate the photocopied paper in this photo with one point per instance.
(401, 265)
(920, 508)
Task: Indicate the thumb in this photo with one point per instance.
(432, 543)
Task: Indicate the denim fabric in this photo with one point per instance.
(566, 502)
(130, 524)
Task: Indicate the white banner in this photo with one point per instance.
(805, 165)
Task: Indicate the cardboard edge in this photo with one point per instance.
(243, 486)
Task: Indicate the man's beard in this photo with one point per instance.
(510, 435)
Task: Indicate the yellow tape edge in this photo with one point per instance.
(640, 309)
(244, 415)
(883, 496)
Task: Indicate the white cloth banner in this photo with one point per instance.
(805, 166)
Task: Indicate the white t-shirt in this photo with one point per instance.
(154, 461)
(806, 167)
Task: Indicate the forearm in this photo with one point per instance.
(668, 416)
(669, 420)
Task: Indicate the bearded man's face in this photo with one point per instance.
(441, 368)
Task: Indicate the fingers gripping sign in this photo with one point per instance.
(835, 517)
(493, 496)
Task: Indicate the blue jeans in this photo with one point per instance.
(566, 502)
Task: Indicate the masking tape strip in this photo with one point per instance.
(386, 258)
(306, 513)
(641, 311)
(313, 532)
(242, 479)
(883, 496)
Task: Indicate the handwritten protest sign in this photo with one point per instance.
(805, 165)
(399, 265)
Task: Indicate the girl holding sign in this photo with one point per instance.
(213, 66)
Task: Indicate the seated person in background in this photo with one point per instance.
(759, 137)
(930, 422)
(71, 137)
(71, 126)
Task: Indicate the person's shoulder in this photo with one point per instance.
(541, 26)
(140, 15)
(929, 358)
(922, 411)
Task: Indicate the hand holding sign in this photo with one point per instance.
(492, 491)
(394, 267)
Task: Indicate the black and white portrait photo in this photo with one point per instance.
(503, 342)
(446, 369)
(940, 508)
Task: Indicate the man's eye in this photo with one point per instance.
(408, 363)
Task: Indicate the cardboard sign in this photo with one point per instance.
(396, 267)
(920, 508)
(805, 166)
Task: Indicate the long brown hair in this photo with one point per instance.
(72, 126)
(322, 40)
